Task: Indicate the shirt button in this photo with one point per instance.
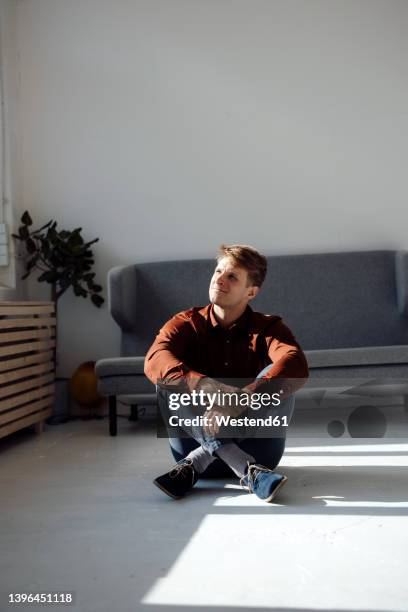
(226, 363)
(228, 341)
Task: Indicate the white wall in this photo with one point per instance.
(168, 126)
(8, 139)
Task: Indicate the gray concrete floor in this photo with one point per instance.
(79, 513)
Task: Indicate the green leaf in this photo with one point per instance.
(43, 227)
(78, 290)
(75, 239)
(87, 244)
(89, 277)
(96, 288)
(52, 235)
(26, 219)
(50, 276)
(97, 300)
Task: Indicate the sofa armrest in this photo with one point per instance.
(120, 366)
(401, 277)
(122, 286)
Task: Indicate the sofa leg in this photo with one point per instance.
(113, 424)
(134, 415)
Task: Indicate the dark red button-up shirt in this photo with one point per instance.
(193, 345)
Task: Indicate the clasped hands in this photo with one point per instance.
(233, 409)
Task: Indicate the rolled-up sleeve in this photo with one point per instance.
(165, 360)
(289, 369)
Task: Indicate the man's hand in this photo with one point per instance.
(231, 408)
(212, 427)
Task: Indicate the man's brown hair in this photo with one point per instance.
(248, 258)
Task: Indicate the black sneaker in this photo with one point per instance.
(179, 481)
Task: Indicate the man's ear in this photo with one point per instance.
(253, 291)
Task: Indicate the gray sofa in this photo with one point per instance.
(349, 311)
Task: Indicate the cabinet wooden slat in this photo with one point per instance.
(29, 334)
(39, 322)
(21, 373)
(32, 407)
(22, 310)
(26, 422)
(27, 347)
(27, 372)
(32, 383)
(20, 362)
(18, 400)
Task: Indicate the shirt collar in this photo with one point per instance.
(241, 324)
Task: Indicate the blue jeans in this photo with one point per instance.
(266, 451)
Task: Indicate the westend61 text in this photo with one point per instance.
(228, 421)
(209, 400)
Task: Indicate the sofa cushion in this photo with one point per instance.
(125, 385)
(123, 375)
(120, 366)
(374, 355)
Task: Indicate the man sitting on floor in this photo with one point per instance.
(227, 340)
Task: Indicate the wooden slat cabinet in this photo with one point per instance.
(27, 373)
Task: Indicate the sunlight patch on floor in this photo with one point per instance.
(342, 561)
(344, 460)
(384, 447)
(244, 501)
(378, 455)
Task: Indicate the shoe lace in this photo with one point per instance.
(182, 468)
(254, 471)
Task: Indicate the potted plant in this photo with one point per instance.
(62, 258)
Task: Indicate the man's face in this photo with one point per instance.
(229, 285)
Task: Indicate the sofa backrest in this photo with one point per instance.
(329, 300)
